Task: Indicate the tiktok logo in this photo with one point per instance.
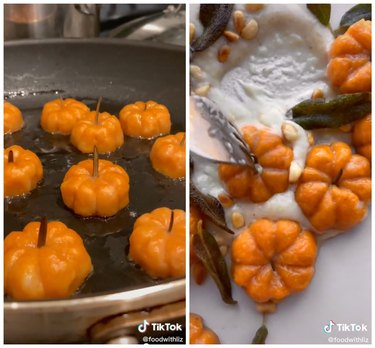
(328, 328)
(143, 327)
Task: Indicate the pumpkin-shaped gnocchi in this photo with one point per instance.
(13, 120)
(157, 243)
(273, 259)
(199, 334)
(102, 131)
(168, 155)
(22, 171)
(60, 116)
(334, 188)
(44, 261)
(273, 156)
(95, 190)
(145, 120)
(361, 136)
(349, 69)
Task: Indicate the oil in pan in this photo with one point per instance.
(106, 239)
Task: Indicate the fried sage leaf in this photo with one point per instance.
(321, 11)
(341, 102)
(207, 250)
(215, 19)
(356, 13)
(319, 113)
(206, 13)
(334, 120)
(210, 207)
(260, 335)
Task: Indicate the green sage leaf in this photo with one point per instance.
(215, 19)
(208, 252)
(318, 106)
(206, 13)
(210, 207)
(356, 13)
(319, 113)
(261, 335)
(334, 120)
(321, 11)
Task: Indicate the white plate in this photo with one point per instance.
(340, 291)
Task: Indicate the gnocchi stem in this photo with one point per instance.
(97, 110)
(182, 143)
(95, 170)
(10, 156)
(61, 101)
(273, 265)
(171, 222)
(338, 177)
(42, 236)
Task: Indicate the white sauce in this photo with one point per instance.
(266, 76)
(261, 80)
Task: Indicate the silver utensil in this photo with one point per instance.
(214, 137)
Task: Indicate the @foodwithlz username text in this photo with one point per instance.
(161, 327)
(162, 339)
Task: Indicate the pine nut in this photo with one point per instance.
(250, 30)
(231, 36)
(223, 54)
(290, 132)
(238, 20)
(253, 7)
(295, 172)
(238, 220)
(317, 94)
(195, 71)
(192, 32)
(203, 90)
(346, 128)
(225, 200)
(310, 138)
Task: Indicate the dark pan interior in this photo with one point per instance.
(121, 72)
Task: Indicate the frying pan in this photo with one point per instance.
(121, 72)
